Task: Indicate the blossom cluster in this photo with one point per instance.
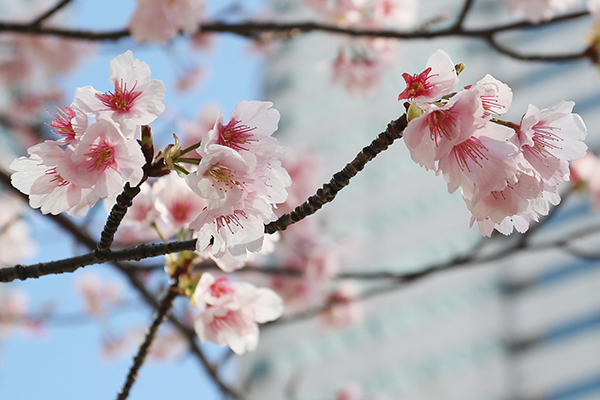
(94, 160)
(507, 173)
(241, 178)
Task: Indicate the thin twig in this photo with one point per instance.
(50, 12)
(165, 306)
(341, 179)
(458, 25)
(253, 30)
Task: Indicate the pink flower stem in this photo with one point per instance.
(341, 179)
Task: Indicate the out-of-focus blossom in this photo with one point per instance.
(176, 203)
(15, 240)
(157, 21)
(586, 171)
(13, 309)
(537, 11)
(98, 294)
(344, 308)
(230, 313)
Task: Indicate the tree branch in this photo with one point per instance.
(341, 179)
(50, 12)
(165, 306)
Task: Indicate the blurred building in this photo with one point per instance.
(524, 327)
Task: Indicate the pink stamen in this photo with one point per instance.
(542, 141)
(221, 287)
(102, 156)
(231, 219)
(56, 177)
(235, 135)
(441, 124)
(471, 149)
(62, 123)
(122, 100)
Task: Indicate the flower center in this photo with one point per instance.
(235, 135)
(471, 150)
(226, 177)
(121, 100)
(62, 123)
(416, 85)
(101, 157)
(221, 287)
(231, 219)
(441, 124)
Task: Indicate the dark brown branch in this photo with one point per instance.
(124, 201)
(341, 179)
(493, 42)
(71, 264)
(458, 25)
(82, 237)
(254, 30)
(50, 12)
(165, 306)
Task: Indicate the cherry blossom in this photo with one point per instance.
(68, 123)
(176, 203)
(136, 99)
(550, 137)
(230, 312)
(436, 81)
(105, 159)
(41, 176)
(433, 135)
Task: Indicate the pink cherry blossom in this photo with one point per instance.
(136, 99)
(68, 123)
(433, 135)
(230, 313)
(176, 203)
(41, 177)
(240, 231)
(496, 97)
(157, 21)
(105, 159)
(481, 164)
(432, 84)
(551, 137)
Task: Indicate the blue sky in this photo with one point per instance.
(63, 362)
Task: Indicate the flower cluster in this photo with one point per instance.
(507, 173)
(230, 312)
(241, 179)
(92, 161)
